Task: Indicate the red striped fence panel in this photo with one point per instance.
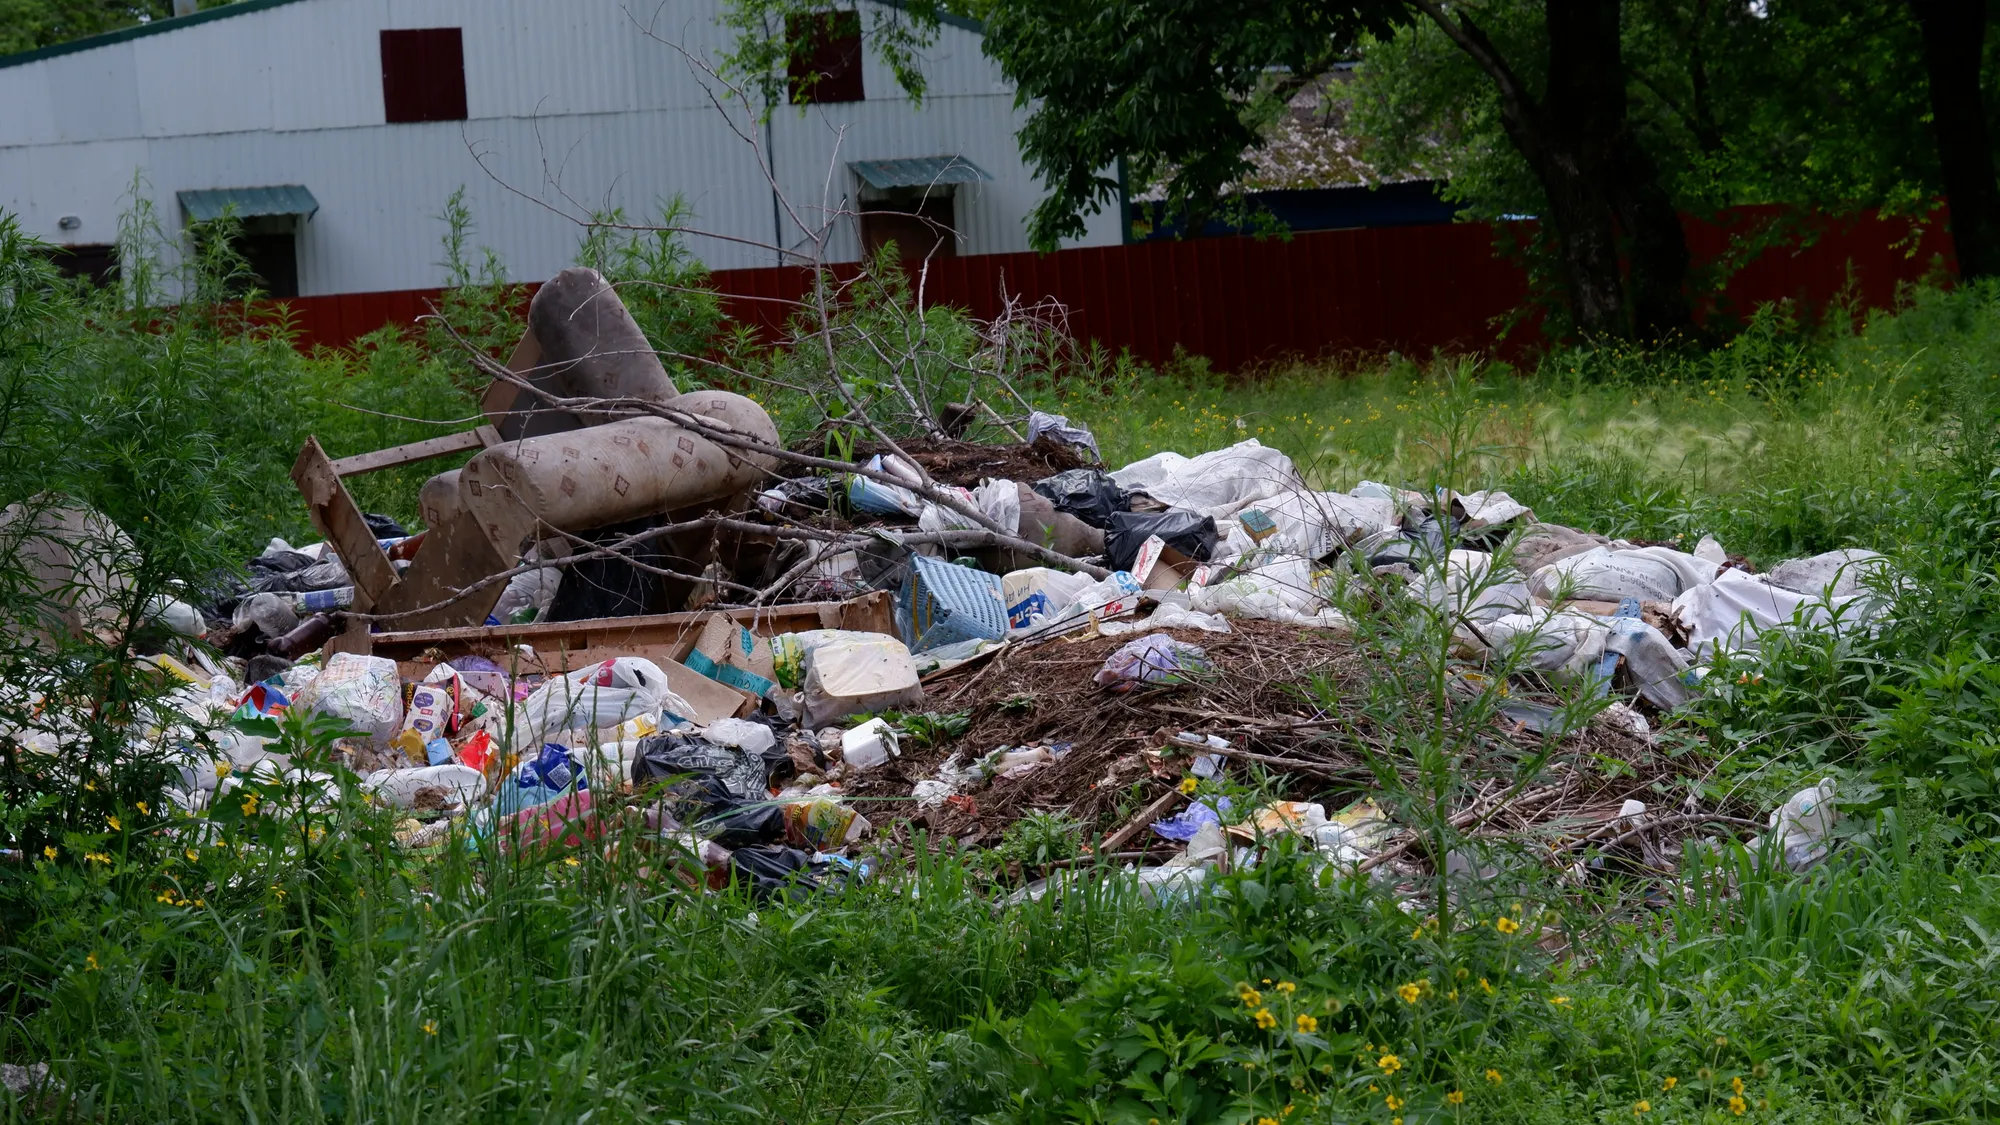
(1244, 301)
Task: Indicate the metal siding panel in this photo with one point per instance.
(94, 95)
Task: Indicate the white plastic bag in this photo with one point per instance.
(399, 789)
(1658, 574)
(602, 695)
(1222, 482)
(1732, 612)
(1288, 588)
(364, 690)
(1141, 476)
(1315, 524)
(870, 674)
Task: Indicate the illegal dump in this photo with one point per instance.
(634, 618)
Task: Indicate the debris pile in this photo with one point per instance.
(634, 607)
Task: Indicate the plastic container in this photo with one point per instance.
(868, 745)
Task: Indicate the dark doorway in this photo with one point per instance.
(921, 222)
(273, 258)
(96, 263)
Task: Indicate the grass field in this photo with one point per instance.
(301, 968)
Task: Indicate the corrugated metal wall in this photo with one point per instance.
(1240, 301)
(574, 107)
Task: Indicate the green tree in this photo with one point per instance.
(28, 24)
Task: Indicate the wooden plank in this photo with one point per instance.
(405, 454)
(339, 520)
(873, 612)
(502, 397)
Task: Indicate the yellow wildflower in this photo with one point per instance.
(1267, 1121)
(1410, 993)
(430, 1027)
(49, 850)
(113, 822)
(1188, 785)
(1641, 1106)
(1736, 1084)
(143, 809)
(1390, 1064)
(1737, 1105)
(250, 805)
(1485, 987)
(1393, 1102)
(1668, 1083)
(1287, 987)
(97, 857)
(90, 962)
(1308, 1024)
(1456, 1097)
(1265, 1019)
(1493, 1076)
(1250, 996)
(572, 861)
(1506, 925)
(193, 856)
(1559, 1001)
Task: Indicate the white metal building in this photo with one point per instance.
(338, 128)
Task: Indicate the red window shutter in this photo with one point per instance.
(423, 75)
(825, 63)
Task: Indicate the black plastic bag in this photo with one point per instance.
(383, 526)
(1088, 494)
(717, 790)
(775, 870)
(1191, 534)
(670, 754)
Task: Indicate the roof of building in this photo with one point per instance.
(919, 171)
(248, 202)
(140, 31)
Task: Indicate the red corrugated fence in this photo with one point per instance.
(1242, 301)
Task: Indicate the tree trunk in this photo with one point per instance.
(1657, 246)
(1598, 180)
(1954, 39)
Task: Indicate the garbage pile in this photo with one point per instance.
(1111, 644)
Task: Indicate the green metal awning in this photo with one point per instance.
(249, 202)
(919, 171)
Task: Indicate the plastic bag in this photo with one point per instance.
(1733, 611)
(1189, 533)
(1316, 524)
(364, 690)
(1658, 574)
(1059, 428)
(1038, 593)
(846, 677)
(1088, 494)
(1287, 588)
(1153, 659)
(437, 786)
(602, 695)
(1223, 481)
